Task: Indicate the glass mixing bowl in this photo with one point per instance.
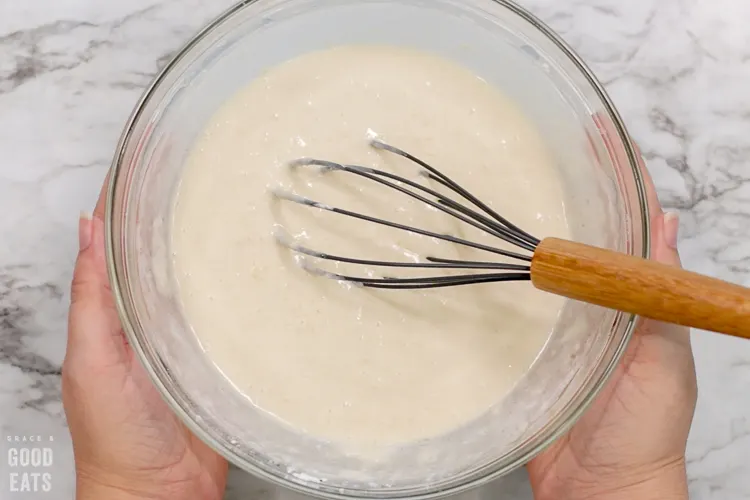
(502, 43)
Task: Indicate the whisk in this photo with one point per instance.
(573, 270)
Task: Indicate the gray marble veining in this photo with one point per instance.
(71, 70)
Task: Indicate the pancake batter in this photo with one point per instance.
(347, 364)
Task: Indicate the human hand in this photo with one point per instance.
(126, 441)
(631, 442)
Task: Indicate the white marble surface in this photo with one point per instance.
(70, 71)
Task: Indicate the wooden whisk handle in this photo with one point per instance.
(638, 286)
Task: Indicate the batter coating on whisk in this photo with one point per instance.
(354, 365)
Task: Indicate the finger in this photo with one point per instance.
(94, 333)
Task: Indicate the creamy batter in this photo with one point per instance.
(348, 364)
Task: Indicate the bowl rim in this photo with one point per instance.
(558, 427)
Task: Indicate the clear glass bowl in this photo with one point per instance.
(505, 45)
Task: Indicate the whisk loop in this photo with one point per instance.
(474, 213)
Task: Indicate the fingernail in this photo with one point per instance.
(84, 231)
(671, 229)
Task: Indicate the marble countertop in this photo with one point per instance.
(71, 70)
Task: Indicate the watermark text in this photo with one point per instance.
(30, 460)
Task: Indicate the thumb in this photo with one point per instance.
(665, 229)
(664, 226)
(665, 240)
(94, 333)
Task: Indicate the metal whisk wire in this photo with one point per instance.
(578, 271)
(481, 217)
